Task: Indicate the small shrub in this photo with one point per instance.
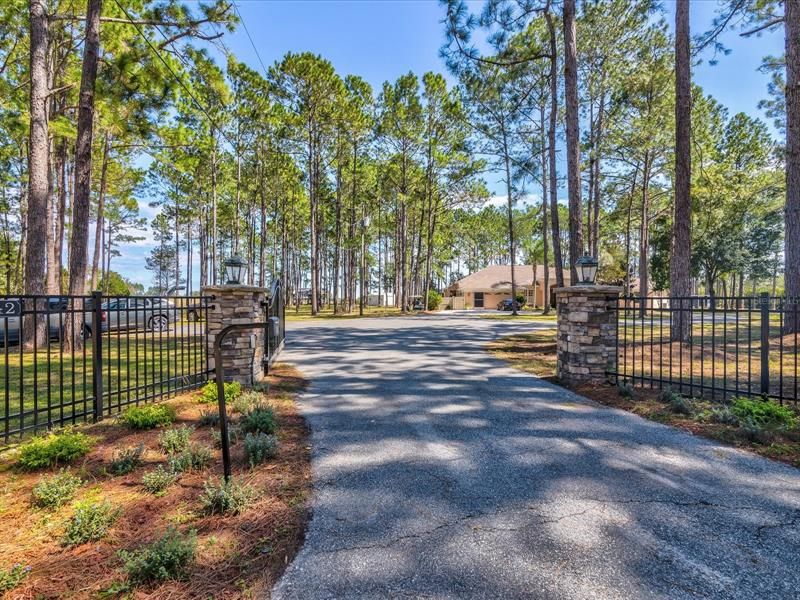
(11, 578)
(234, 435)
(149, 416)
(158, 480)
(53, 449)
(127, 460)
(259, 418)
(175, 440)
(765, 413)
(225, 498)
(194, 458)
(90, 522)
(680, 405)
(55, 490)
(626, 390)
(209, 392)
(753, 431)
(434, 300)
(168, 558)
(246, 402)
(259, 447)
(209, 418)
(724, 416)
(667, 395)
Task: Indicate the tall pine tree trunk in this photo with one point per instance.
(101, 199)
(38, 164)
(558, 261)
(573, 137)
(680, 281)
(792, 212)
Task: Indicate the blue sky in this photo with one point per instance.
(381, 40)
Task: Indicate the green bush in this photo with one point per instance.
(666, 395)
(89, 523)
(209, 418)
(259, 447)
(724, 416)
(158, 480)
(219, 497)
(234, 435)
(11, 578)
(168, 558)
(753, 431)
(175, 440)
(209, 392)
(765, 413)
(680, 405)
(626, 390)
(53, 449)
(434, 300)
(245, 403)
(149, 416)
(259, 418)
(127, 460)
(194, 458)
(55, 490)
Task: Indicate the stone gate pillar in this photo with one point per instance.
(242, 351)
(587, 330)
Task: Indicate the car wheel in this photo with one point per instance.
(158, 323)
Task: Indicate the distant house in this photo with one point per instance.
(488, 287)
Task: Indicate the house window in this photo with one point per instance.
(478, 299)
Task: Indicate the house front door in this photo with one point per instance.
(478, 299)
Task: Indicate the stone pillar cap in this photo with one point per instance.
(589, 289)
(235, 288)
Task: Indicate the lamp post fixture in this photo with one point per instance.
(235, 270)
(586, 266)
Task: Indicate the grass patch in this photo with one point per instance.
(533, 352)
(507, 316)
(148, 416)
(53, 449)
(304, 313)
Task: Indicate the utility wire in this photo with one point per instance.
(247, 31)
(174, 75)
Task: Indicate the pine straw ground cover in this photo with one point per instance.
(535, 353)
(237, 556)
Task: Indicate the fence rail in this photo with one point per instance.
(67, 359)
(733, 346)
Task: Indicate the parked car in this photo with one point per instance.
(508, 305)
(134, 313)
(9, 326)
(416, 303)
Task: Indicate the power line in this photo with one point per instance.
(174, 75)
(258, 56)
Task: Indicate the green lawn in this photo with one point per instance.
(52, 387)
(304, 313)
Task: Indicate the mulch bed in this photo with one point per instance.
(237, 556)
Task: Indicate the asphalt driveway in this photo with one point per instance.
(442, 473)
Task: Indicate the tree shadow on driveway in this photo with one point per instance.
(440, 472)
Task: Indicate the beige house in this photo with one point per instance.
(488, 287)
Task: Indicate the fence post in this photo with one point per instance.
(765, 343)
(97, 353)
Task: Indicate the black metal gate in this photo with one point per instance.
(276, 317)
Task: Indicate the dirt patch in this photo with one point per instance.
(237, 556)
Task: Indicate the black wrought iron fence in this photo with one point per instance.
(67, 359)
(732, 346)
(276, 317)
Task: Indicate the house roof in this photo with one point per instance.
(497, 278)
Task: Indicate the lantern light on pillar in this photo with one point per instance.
(235, 270)
(586, 266)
